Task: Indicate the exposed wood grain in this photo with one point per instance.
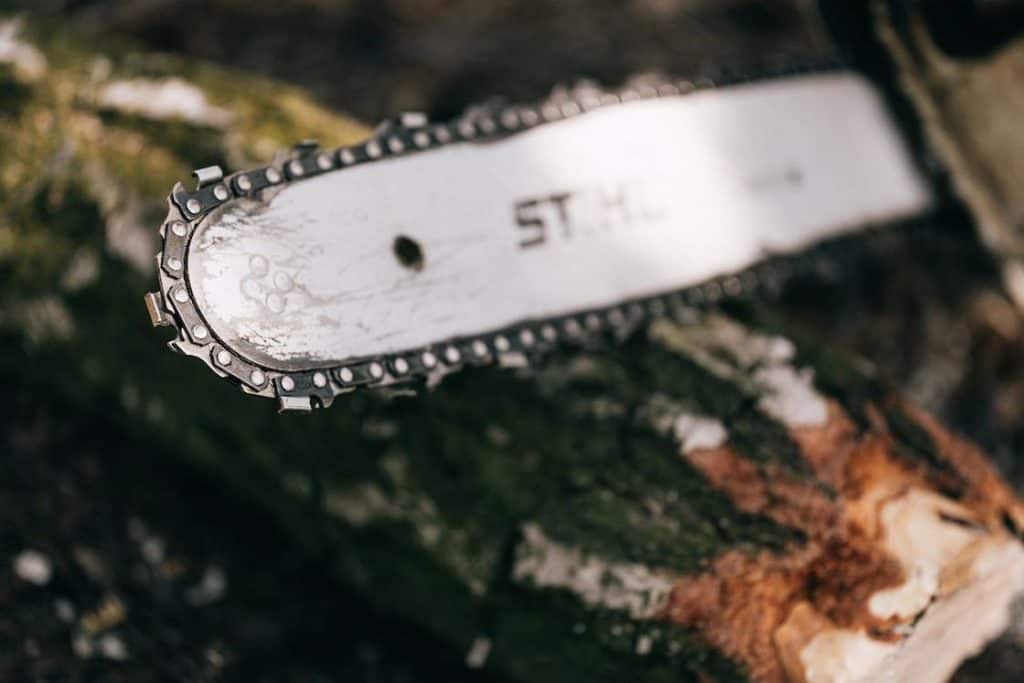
(717, 500)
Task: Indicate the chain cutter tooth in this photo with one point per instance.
(409, 133)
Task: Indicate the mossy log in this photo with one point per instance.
(710, 500)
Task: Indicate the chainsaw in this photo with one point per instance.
(512, 230)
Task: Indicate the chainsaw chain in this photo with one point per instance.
(513, 345)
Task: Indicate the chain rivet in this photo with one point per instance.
(467, 128)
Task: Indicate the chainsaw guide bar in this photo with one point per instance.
(512, 230)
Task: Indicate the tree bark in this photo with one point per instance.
(713, 499)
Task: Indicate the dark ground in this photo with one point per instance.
(215, 593)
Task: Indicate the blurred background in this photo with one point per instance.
(92, 519)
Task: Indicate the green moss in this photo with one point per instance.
(65, 49)
(754, 434)
(490, 449)
(200, 145)
(584, 477)
(848, 381)
(572, 644)
(41, 233)
(915, 444)
(13, 94)
(645, 504)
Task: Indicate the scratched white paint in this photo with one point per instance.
(632, 588)
(715, 180)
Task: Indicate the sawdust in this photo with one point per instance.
(986, 494)
(859, 582)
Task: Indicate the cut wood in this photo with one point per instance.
(711, 500)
